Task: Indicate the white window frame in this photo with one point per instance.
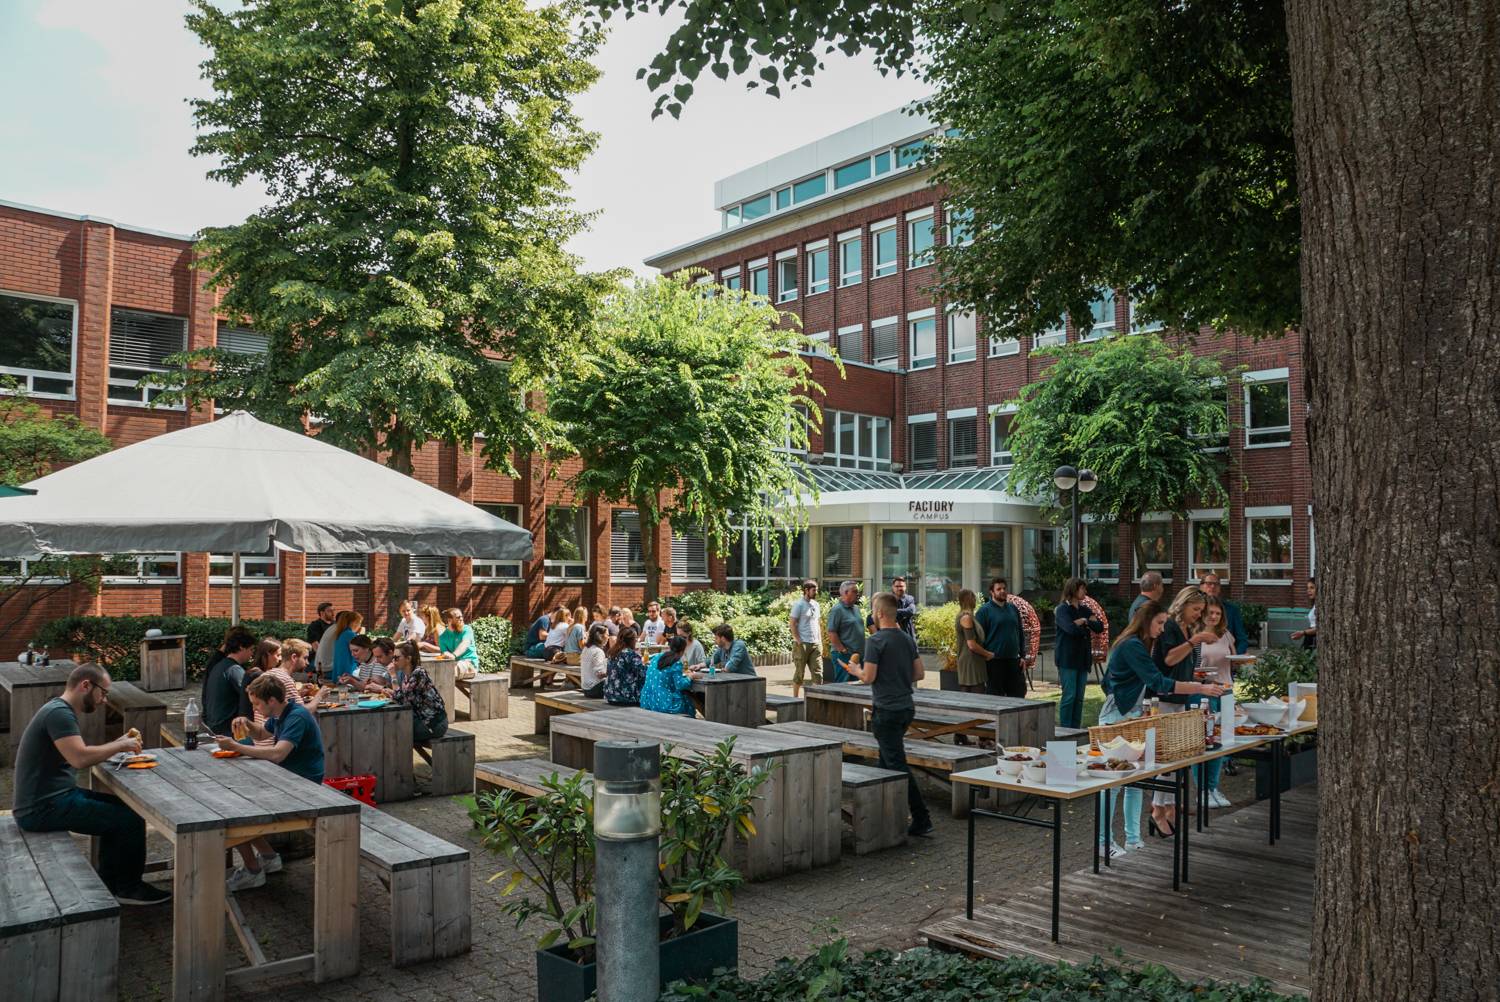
(962, 414)
(340, 569)
(1162, 568)
(759, 264)
(866, 454)
(878, 267)
(496, 571)
(1266, 513)
(786, 291)
(1004, 459)
(23, 568)
(247, 561)
(914, 258)
(891, 361)
(969, 354)
(916, 361)
(428, 572)
(847, 277)
(852, 329)
(1051, 336)
(1267, 376)
(821, 346)
(948, 218)
(1100, 328)
(810, 252)
(755, 546)
(1002, 347)
(919, 419)
(148, 393)
(1102, 572)
(26, 377)
(1137, 326)
(562, 571)
(141, 562)
(1196, 569)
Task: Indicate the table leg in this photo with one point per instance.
(1198, 788)
(1185, 776)
(1109, 829)
(1098, 806)
(336, 897)
(1275, 791)
(1056, 861)
(969, 900)
(1177, 829)
(198, 917)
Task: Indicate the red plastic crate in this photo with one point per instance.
(361, 788)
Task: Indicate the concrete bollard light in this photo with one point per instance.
(627, 829)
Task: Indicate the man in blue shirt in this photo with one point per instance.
(296, 745)
(846, 634)
(1152, 590)
(1001, 622)
(536, 636)
(1234, 622)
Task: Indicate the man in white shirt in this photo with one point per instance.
(807, 638)
(654, 626)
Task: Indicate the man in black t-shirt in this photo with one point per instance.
(224, 686)
(892, 668)
(319, 626)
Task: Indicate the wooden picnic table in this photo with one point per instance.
(1016, 721)
(204, 806)
(523, 670)
(23, 690)
(731, 698)
(374, 741)
(1169, 777)
(797, 819)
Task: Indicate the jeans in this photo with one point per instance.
(422, 734)
(889, 728)
(535, 650)
(1005, 677)
(1211, 770)
(1075, 681)
(836, 662)
(1111, 714)
(122, 834)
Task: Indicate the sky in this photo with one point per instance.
(97, 123)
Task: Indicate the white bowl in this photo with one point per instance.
(1035, 772)
(1011, 769)
(1035, 753)
(1087, 773)
(1272, 714)
(1124, 750)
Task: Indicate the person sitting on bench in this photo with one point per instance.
(593, 663)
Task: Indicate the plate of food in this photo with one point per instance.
(130, 758)
(225, 753)
(1011, 764)
(1109, 768)
(1256, 730)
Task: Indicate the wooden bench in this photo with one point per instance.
(429, 883)
(489, 695)
(59, 924)
(785, 709)
(523, 672)
(935, 756)
(130, 707)
(1078, 735)
(875, 800)
(452, 763)
(931, 723)
(523, 775)
(550, 704)
(171, 734)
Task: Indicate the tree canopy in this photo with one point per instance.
(34, 442)
(686, 411)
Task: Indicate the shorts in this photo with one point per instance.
(807, 659)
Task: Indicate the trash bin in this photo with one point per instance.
(1283, 623)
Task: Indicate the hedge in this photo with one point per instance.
(492, 635)
(114, 641)
(925, 975)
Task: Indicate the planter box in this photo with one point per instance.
(1296, 769)
(712, 943)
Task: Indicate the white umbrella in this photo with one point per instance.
(239, 485)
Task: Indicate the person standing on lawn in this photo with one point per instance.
(1073, 649)
(1000, 619)
(1152, 590)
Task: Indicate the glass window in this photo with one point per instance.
(786, 279)
(856, 441)
(911, 153)
(1056, 334)
(919, 242)
(922, 450)
(689, 555)
(758, 558)
(842, 560)
(883, 162)
(255, 568)
(886, 335)
(817, 271)
(755, 208)
(1268, 413)
(1000, 347)
(899, 558)
(851, 261)
(626, 562)
(139, 343)
(760, 281)
(567, 543)
(336, 568)
(36, 343)
(963, 336)
(731, 217)
(146, 568)
(1208, 549)
(885, 251)
(1270, 549)
(731, 281)
(241, 340)
(963, 441)
(994, 547)
(1139, 324)
(810, 188)
(1101, 551)
(499, 570)
(852, 343)
(783, 198)
(853, 173)
(1156, 541)
(943, 569)
(1000, 454)
(1102, 315)
(960, 227)
(923, 342)
(1039, 548)
(428, 569)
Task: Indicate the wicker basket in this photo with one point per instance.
(1178, 735)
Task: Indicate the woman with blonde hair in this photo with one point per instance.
(1176, 657)
(968, 639)
(1213, 659)
(428, 642)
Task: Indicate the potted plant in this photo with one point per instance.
(549, 843)
(1269, 676)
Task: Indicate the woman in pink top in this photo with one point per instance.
(1214, 659)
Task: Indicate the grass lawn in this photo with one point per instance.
(1093, 701)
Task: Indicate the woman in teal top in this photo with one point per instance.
(667, 684)
(457, 642)
(1131, 671)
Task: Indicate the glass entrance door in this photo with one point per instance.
(931, 561)
(900, 556)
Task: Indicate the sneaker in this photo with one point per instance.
(920, 828)
(270, 864)
(1114, 850)
(1217, 799)
(142, 893)
(1134, 844)
(243, 880)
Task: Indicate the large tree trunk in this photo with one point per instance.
(650, 556)
(1398, 139)
(398, 569)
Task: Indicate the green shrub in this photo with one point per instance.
(761, 634)
(114, 641)
(1253, 615)
(702, 606)
(492, 636)
(1273, 671)
(925, 975)
(935, 627)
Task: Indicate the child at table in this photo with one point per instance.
(667, 685)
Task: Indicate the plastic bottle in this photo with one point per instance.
(192, 719)
(29, 657)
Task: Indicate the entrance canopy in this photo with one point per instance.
(966, 497)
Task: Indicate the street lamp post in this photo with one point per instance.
(1073, 481)
(627, 825)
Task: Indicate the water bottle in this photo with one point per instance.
(29, 655)
(192, 719)
(46, 658)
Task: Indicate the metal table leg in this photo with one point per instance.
(1177, 830)
(1056, 861)
(1185, 776)
(969, 900)
(1109, 832)
(1097, 808)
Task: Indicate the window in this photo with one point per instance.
(820, 344)
(1208, 544)
(921, 445)
(338, 568)
(963, 336)
(14, 570)
(886, 335)
(922, 327)
(499, 570)
(255, 568)
(1156, 541)
(139, 343)
(842, 560)
(994, 546)
(852, 343)
(960, 227)
(796, 437)
(883, 162)
(426, 569)
(626, 561)
(1101, 551)
(810, 188)
(817, 267)
(758, 558)
(851, 259)
(786, 276)
(942, 566)
(756, 208)
(856, 441)
(1000, 347)
(731, 217)
(567, 544)
(689, 555)
(1102, 313)
(759, 278)
(783, 198)
(241, 340)
(1268, 409)
(146, 568)
(853, 173)
(36, 343)
(911, 153)
(729, 278)
(1000, 454)
(1056, 334)
(919, 239)
(1039, 548)
(883, 237)
(1270, 544)
(1139, 324)
(963, 438)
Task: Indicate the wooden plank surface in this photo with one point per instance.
(524, 775)
(941, 699)
(336, 898)
(198, 916)
(25, 905)
(927, 754)
(751, 744)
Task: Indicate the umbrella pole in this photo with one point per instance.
(234, 594)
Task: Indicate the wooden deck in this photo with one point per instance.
(1247, 911)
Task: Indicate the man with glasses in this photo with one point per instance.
(1208, 582)
(47, 797)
